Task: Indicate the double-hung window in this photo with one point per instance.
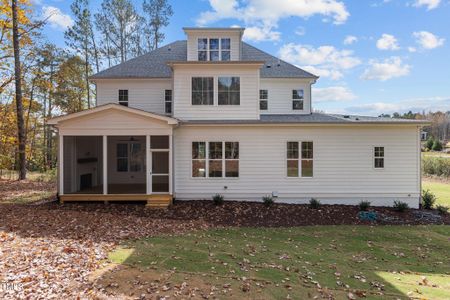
(378, 155)
(202, 90)
(229, 90)
(123, 97)
(263, 97)
(300, 159)
(297, 99)
(215, 159)
(214, 49)
(168, 101)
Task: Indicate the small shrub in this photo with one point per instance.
(364, 205)
(437, 146)
(428, 199)
(400, 206)
(218, 199)
(314, 203)
(443, 210)
(429, 143)
(267, 200)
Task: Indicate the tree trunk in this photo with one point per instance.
(86, 71)
(19, 105)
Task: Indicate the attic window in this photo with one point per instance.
(123, 97)
(214, 49)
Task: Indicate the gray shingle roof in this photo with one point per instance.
(154, 64)
(314, 118)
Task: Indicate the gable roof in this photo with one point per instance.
(154, 64)
(112, 106)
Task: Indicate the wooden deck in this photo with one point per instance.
(153, 201)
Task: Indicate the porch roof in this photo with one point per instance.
(113, 107)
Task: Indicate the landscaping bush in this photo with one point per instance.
(437, 146)
(443, 210)
(438, 166)
(218, 199)
(429, 143)
(267, 200)
(314, 203)
(428, 199)
(364, 205)
(400, 206)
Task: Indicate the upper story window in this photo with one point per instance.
(297, 99)
(214, 49)
(123, 97)
(202, 90)
(263, 97)
(378, 153)
(229, 90)
(168, 101)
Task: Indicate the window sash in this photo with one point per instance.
(214, 49)
(229, 90)
(123, 97)
(202, 90)
(168, 101)
(215, 159)
(300, 161)
(379, 155)
(263, 99)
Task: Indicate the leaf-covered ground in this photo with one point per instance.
(26, 191)
(342, 262)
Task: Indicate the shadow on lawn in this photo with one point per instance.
(301, 263)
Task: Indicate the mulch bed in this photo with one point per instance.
(50, 249)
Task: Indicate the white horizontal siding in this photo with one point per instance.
(145, 94)
(343, 164)
(192, 43)
(249, 93)
(280, 95)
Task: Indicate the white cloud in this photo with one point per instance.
(414, 105)
(386, 69)
(265, 14)
(326, 61)
(258, 34)
(56, 18)
(332, 94)
(350, 39)
(427, 40)
(387, 42)
(430, 4)
(412, 49)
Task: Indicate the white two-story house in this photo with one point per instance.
(215, 115)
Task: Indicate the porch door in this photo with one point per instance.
(159, 171)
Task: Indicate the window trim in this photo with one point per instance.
(168, 101)
(207, 159)
(299, 160)
(123, 102)
(375, 157)
(229, 91)
(302, 100)
(264, 99)
(208, 50)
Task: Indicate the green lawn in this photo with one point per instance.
(440, 189)
(302, 262)
(432, 153)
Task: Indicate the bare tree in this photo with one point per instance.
(157, 14)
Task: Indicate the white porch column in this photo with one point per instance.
(148, 166)
(61, 164)
(105, 165)
(170, 164)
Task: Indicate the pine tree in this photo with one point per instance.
(157, 14)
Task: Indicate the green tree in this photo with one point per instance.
(429, 143)
(70, 93)
(157, 14)
(437, 145)
(80, 37)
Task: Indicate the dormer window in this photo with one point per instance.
(297, 99)
(214, 49)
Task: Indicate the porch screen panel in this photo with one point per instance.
(83, 165)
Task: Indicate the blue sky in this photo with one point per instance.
(372, 56)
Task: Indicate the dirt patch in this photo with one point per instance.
(51, 249)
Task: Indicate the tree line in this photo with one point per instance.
(39, 79)
(440, 122)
